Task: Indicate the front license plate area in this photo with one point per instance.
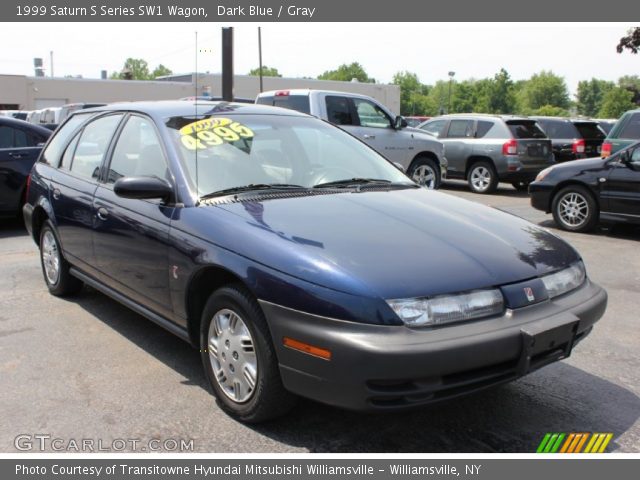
(546, 342)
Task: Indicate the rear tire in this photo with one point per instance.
(239, 358)
(55, 268)
(482, 178)
(574, 209)
(426, 173)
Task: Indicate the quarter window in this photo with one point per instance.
(483, 128)
(53, 153)
(138, 152)
(92, 146)
(632, 128)
(6, 137)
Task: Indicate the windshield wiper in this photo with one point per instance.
(252, 187)
(351, 182)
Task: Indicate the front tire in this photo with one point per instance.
(239, 358)
(574, 209)
(55, 268)
(482, 178)
(426, 173)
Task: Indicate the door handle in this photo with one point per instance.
(56, 194)
(368, 137)
(16, 155)
(103, 213)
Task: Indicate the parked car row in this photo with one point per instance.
(49, 117)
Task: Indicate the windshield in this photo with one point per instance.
(225, 152)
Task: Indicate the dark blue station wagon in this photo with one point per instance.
(298, 260)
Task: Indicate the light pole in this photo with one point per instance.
(451, 75)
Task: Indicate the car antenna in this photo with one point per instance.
(195, 106)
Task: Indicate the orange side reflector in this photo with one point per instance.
(306, 348)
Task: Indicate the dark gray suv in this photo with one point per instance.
(487, 149)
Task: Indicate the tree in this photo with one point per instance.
(346, 73)
(138, 69)
(544, 88)
(631, 83)
(413, 94)
(631, 41)
(161, 71)
(615, 102)
(550, 111)
(266, 72)
(500, 93)
(590, 95)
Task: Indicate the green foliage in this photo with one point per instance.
(615, 102)
(266, 72)
(631, 41)
(550, 111)
(590, 95)
(346, 73)
(413, 94)
(544, 88)
(138, 69)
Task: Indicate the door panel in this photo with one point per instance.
(623, 189)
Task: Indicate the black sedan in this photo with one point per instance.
(20, 145)
(583, 192)
(298, 260)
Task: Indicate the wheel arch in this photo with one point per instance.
(421, 155)
(568, 183)
(201, 285)
(473, 159)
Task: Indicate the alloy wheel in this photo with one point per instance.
(573, 209)
(480, 178)
(424, 176)
(50, 257)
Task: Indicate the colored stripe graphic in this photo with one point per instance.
(574, 442)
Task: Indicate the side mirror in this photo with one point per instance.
(143, 188)
(625, 158)
(400, 122)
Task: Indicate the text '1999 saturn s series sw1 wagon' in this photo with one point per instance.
(298, 260)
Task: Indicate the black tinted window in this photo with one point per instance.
(460, 129)
(632, 128)
(93, 144)
(339, 111)
(559, 129)
(6, 137)
(590, 130)
(483, 128)
(525, 129)
(299, 103)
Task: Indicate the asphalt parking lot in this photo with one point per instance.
(87, 367)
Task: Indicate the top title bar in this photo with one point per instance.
(318, 11)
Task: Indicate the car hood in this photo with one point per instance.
(575, 166)
(390, 244)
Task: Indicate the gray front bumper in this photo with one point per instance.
(375, 367)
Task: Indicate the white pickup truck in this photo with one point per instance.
(419, 154)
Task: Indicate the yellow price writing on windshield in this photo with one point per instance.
(212, 132)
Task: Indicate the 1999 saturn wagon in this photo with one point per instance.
(298, 260)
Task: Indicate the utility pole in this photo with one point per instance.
(260, 56)
(451, 75)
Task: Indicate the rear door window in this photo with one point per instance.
(590, 130)
(299, 103)
(92, 146)
(632, 128)
(339, 111)
(525, 129)
(559, 129)
(460, 129)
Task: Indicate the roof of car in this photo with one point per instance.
(173, 108)
(483, 115)
(14, 122)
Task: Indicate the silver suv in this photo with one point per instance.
(487, 149)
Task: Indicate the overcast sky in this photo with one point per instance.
(472, 50)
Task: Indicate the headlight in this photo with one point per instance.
(421, 312)
(543, 174)
(565, 280)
